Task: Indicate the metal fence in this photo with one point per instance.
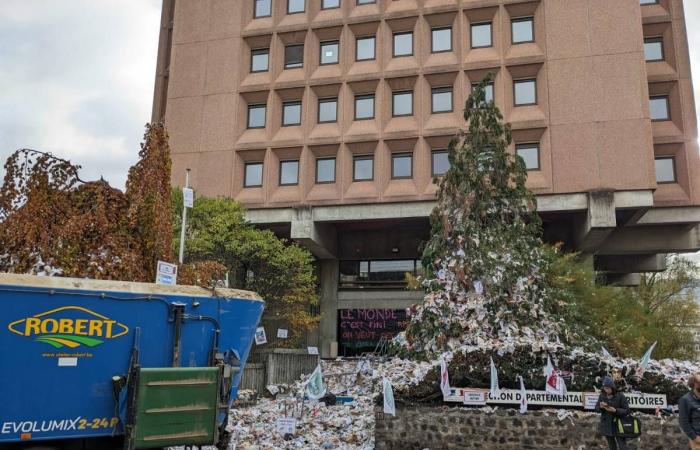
(279, 366)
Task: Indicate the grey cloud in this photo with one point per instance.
(77, 79)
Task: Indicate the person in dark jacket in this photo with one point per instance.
(689, 412)
(611, 404)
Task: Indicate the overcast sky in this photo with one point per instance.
(76, 78)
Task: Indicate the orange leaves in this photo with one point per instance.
(87, 229)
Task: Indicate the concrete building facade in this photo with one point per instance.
(329, 120)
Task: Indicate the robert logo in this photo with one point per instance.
(69, 326)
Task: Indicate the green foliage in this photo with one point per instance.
(485, 263)
(627, 320)
(280, 271)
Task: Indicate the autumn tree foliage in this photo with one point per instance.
(49, 216)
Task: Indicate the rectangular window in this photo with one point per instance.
(441, 40)
(488, 92)
(259, 60)
(327, 110)
(440, 162)
(522, 30)
(441, 100)
(648, 2)
(294, 56)
(296, 6)
(377, 274)
(665, 169)
(481, 35)
(530, 153)
(325, 170)
(654, 49)
(256, 116)
(253, 174)
(403, 44)
(365, 48)
(289, 173)
(263, 8)
(363, 168)
(658, 108)
(329, 52)
(364, 107)
(401, 165)
(330, 4)
(525, 92)
(366, 2)
(291, 113)
(402, 104)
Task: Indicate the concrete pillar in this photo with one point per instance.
(329, 307)
(599, 223)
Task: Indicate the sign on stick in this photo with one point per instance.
(166, 273)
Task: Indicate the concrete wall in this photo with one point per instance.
(461, 428)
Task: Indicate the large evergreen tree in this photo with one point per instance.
(485, 261)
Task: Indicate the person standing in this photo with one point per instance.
(689, 412)
(612, 404)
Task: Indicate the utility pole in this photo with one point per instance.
(184, 218)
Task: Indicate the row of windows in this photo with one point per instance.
(402, 167)
(522, 31)
(524, 93)
(363, 167)
(263, 8)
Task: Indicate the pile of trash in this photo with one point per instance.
(342, 419)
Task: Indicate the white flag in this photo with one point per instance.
(554, 383)
(606, 354)
(315, 389)
(523, 396)
(444, 379)
(645, 361)
(495, 391)
(389, 407)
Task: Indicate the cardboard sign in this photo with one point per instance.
(260, 337)
(188, 197)
(361, 329)
(286, 425)
(282, 333)
(474, 397)
(590, 400)
(166, 273)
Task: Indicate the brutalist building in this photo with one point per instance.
(329, 120)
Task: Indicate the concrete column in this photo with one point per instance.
(599, 223)
(329, 307)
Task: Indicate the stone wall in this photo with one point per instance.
(506, 429)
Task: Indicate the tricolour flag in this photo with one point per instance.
(554, 383)
(444, 379)
(523, 396)
(645, 361)
(495, 392)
